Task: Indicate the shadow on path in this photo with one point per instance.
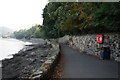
(79, 65)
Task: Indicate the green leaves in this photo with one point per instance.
(74, 19)
(34, 31)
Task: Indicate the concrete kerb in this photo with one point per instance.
(46, 69)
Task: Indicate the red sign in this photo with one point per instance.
(99, 38)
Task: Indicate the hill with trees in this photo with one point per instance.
(76, 18)
(5, 30)
(34, 31)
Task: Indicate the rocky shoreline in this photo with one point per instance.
(28, 61)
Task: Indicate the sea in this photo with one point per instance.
(10, 46)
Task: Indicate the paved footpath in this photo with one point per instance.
(79, 65)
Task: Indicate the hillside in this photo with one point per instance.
(4, 30)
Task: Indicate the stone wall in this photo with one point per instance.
(45, 71)
(64, 39)
(87, 44)
(33, 62)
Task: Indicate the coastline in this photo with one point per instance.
(28, 60)
(9, 47)
(21, 58)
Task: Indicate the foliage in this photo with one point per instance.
(34, 31)
(75, 18)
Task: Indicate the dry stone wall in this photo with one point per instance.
(87, 43)
(45, 71)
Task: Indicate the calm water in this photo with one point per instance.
(9, 47)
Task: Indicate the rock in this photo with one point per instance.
(64, 39)
(88, 43)
(29, 61)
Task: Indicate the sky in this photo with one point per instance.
(21, 14)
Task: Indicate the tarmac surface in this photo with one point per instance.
(80, 65)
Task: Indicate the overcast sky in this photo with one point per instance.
(21, 14)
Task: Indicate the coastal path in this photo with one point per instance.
(80, 65)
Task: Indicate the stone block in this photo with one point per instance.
(88, 42)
